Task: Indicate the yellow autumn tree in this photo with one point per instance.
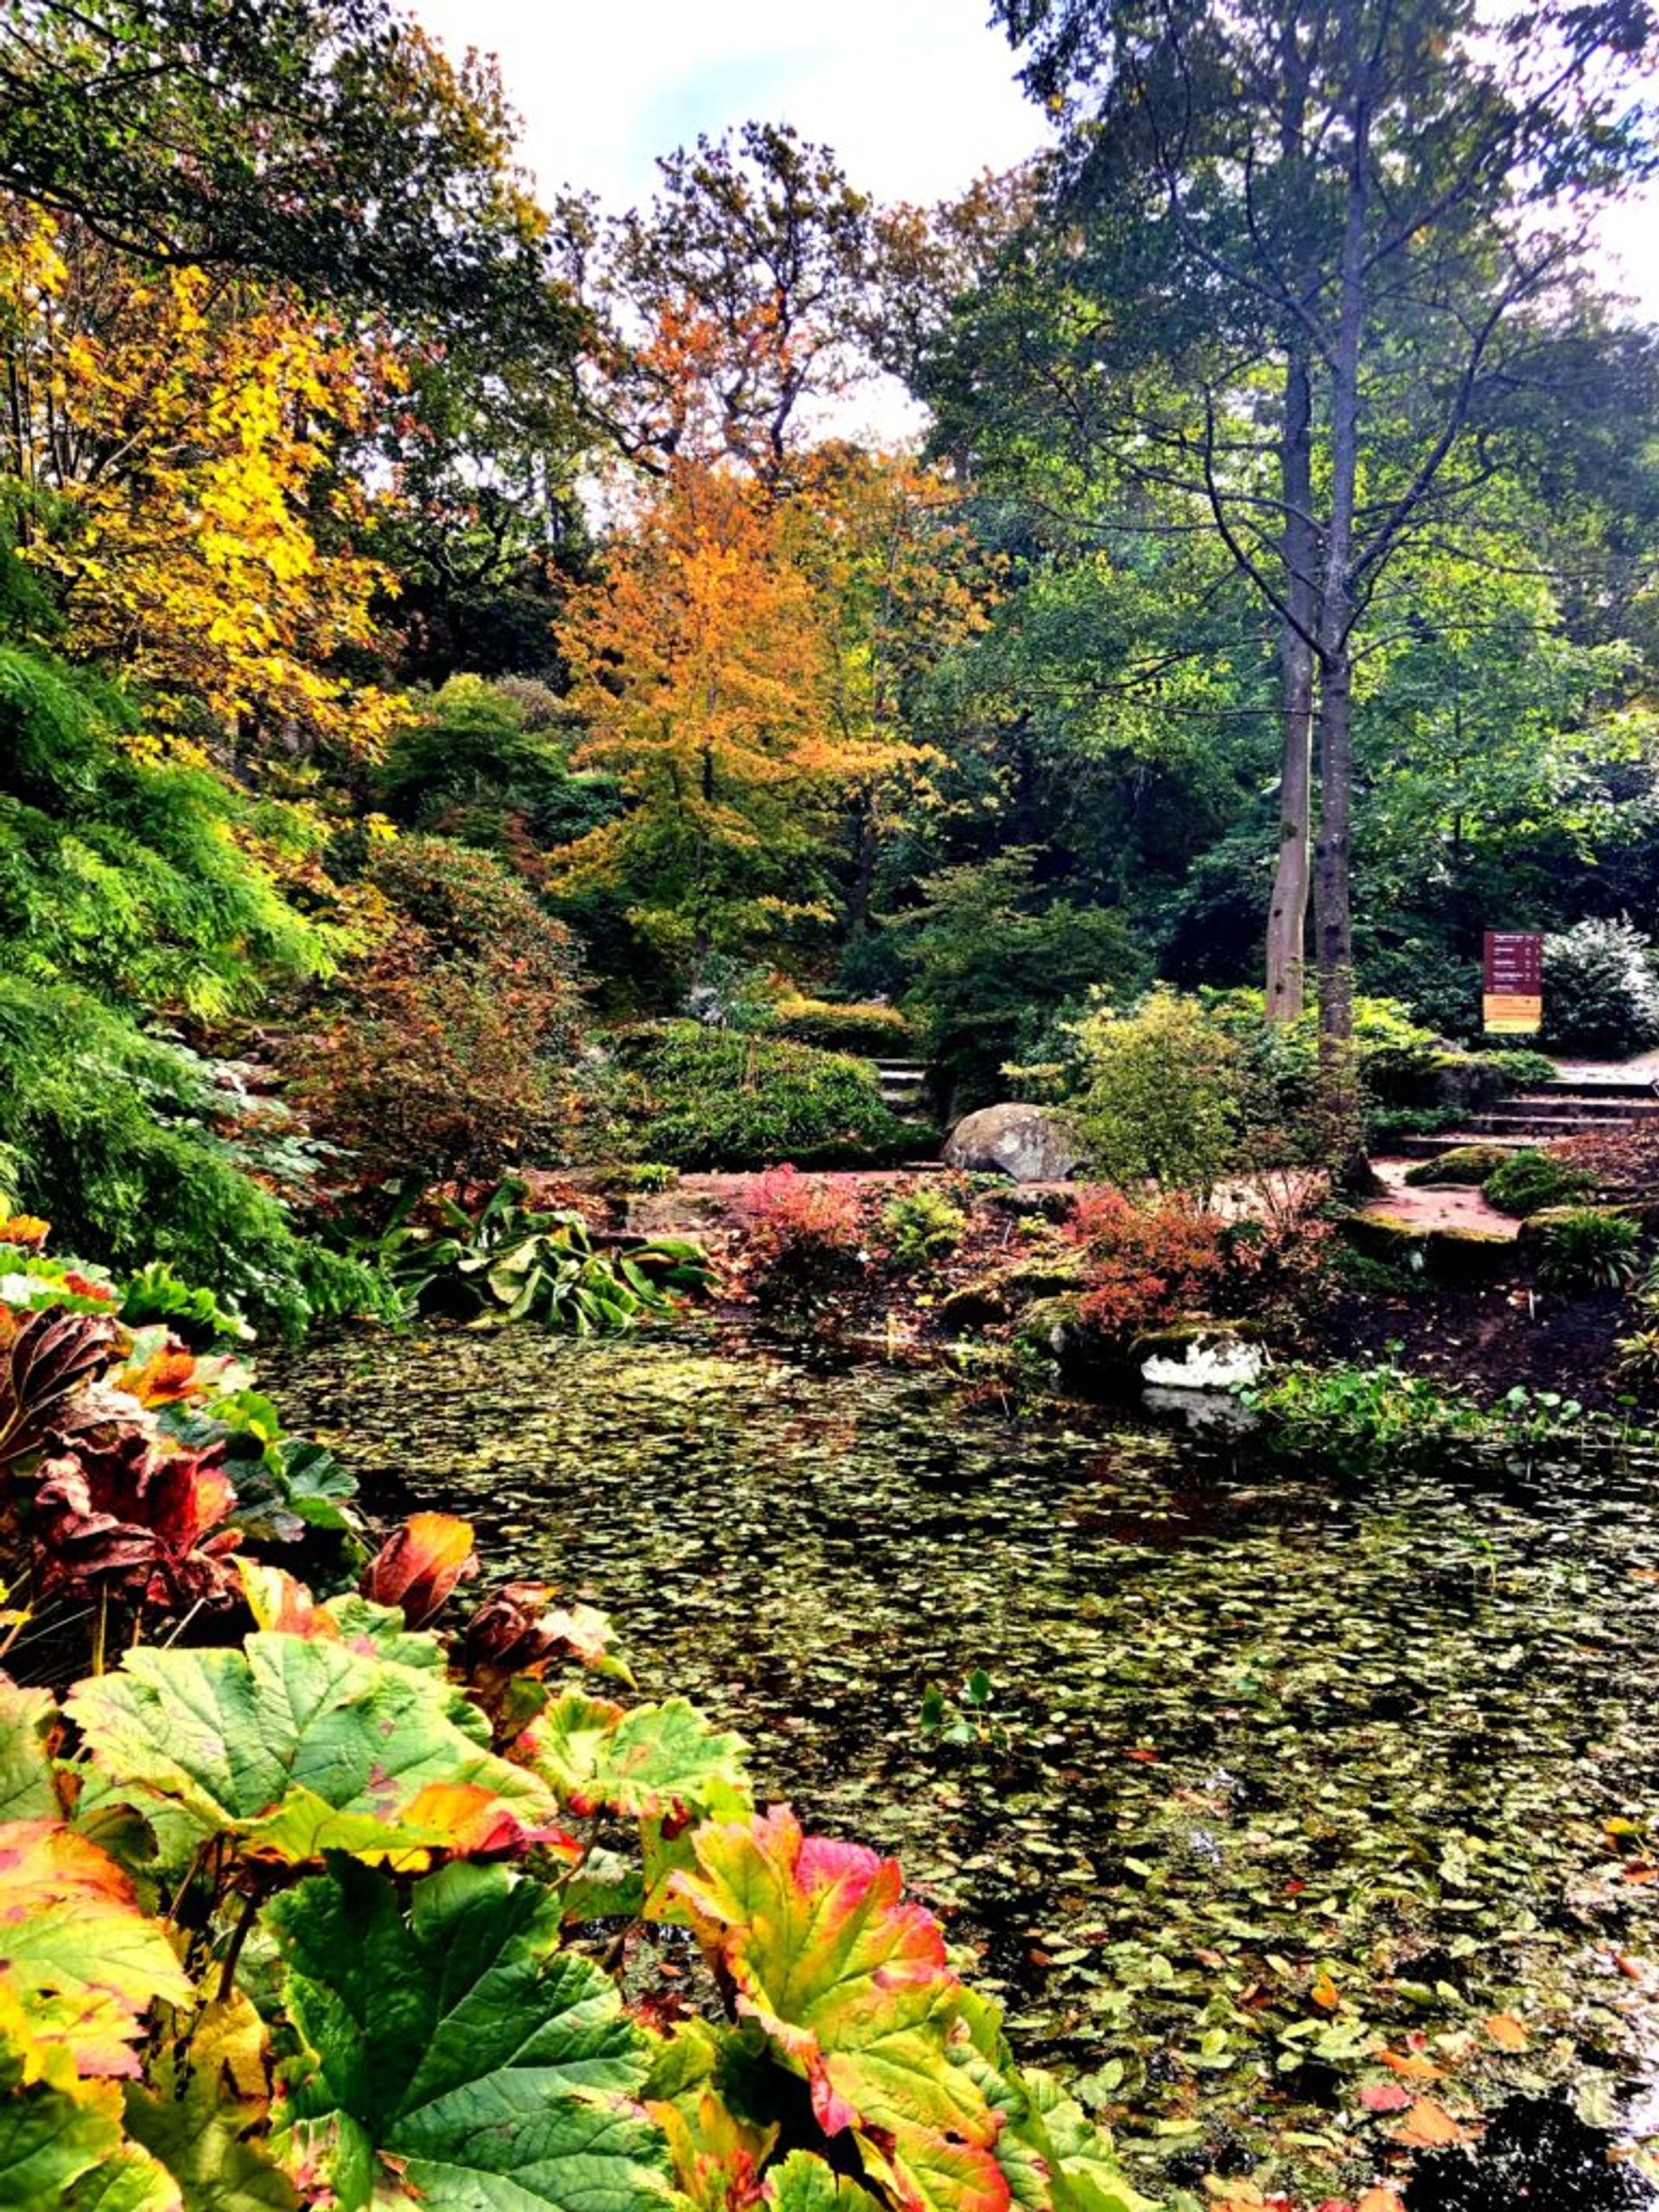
(173, 435)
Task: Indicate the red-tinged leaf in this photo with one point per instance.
(474, 1822)
(850, 1982)
(1429, 2126)
(418, 1566)
(76, 1948)
(135, 1519)
(1507, 2033)
(519, 1629)
(281, 1604)
(1385, 2096)
(51, 1357)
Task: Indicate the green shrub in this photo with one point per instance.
(1164, 1095)
(1583, 1247)
(1438, 988)
(699, 1097)
(1529, 1180)
(1399, 1059)
(1600, 994)
(125, 1144)
(993, 957)
(923, 1225)
(1521, 1071)
(873, 1029)
(1465, 1163)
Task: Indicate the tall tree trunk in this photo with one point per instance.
(1288, 914)
(1286, 978)
(1339, 1094)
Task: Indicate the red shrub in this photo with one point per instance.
(806, 1233)
(1146, 1265)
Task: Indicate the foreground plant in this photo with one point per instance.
(342, 1913)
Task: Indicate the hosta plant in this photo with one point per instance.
(512, 1262)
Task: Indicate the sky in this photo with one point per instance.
(916, 96)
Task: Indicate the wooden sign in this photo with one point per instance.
(1512, 1004)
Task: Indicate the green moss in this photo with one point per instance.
(1465, 1163)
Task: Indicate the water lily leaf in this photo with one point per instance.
(454, 2047)
(76, 1948)
(253, 1742)
(650, 1761)
(850, 1984)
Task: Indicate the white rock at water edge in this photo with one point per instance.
(1207, 1364)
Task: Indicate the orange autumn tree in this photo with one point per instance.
(172, 436)
(704, 670)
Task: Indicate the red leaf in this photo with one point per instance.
(1384, 2097)
(418, 1566)
(136, 1520)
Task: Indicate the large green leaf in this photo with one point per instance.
(651, 1761)
(454, 2057)
(28, 1791)
(51, 2130)
(253, 1742)
(199, 2137)
(850, 1984)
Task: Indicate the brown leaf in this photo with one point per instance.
(1429, 2126)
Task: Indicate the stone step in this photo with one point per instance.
(1431, 1147)
(1545, 1128)
(1612, 1086)
(1586, 1105)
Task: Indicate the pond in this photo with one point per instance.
(1296, 1796)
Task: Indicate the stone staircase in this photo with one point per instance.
(1572, 1106)
(903, 1087)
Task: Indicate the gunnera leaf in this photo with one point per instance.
(257, 1743)
(454, 2057)
(850, 1984)
(651, 1761)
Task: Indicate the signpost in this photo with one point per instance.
(1513, 1004)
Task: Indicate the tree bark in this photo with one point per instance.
(1287, 913)
(1339, 1094)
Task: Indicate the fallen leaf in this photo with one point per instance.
(1324, 1993)
(1507, 2033)
(1429, 2126)
(1384, 2097)
(1380, 2199)
(1411, 2066)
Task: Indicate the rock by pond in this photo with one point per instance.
(1309, 1799)
(1034, 1144)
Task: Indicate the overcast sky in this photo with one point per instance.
(915, 96)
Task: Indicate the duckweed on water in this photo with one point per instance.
(1305, 1799)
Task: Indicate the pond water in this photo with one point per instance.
(1294, 1792)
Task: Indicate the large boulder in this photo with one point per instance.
(1034, 1144)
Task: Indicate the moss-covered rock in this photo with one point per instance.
(1465, 1164)
(1051, 1326)
(1452, 1254)
(973, 1305)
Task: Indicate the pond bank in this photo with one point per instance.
(1288, 1788)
